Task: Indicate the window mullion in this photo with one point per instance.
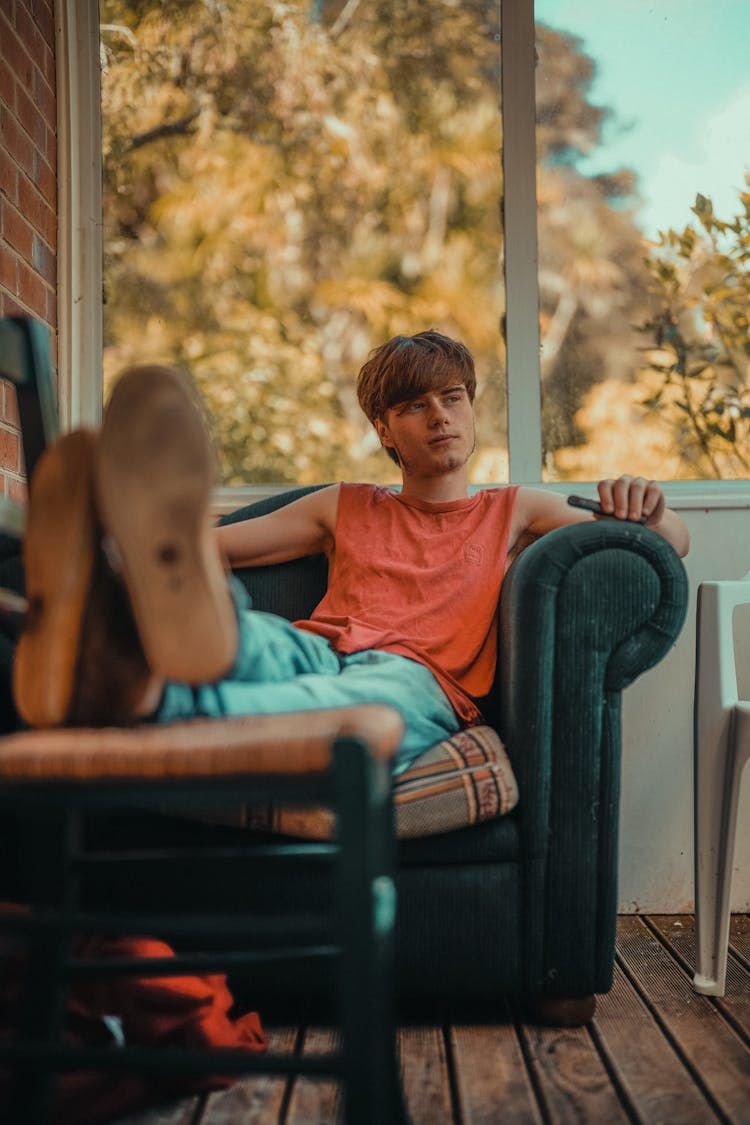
(520, 242)
(79, 250)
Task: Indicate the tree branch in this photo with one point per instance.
(167, 129)
(343, 18)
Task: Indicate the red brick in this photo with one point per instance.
(18, 55)
(10, 412)
(8, 270)
(11, 307)
(10, 448)
(7, 83)
(16, 230)
(43, 15)
(51, 319)
(52, 155)
(32, 290)
(45, 180)
(36, 210)
(50, 148)
(15, 141)
(29, 34)
(35, 21)
(31, 119)
(8, 176)
(16, 489)
(47, 63)
(45, 262)
(44, 97)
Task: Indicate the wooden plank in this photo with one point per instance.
(654, 1079)
(570, 1076)
(679, 932)
(709, 1045)
(316, 1102)
(491, 1078)
(424, 1074)
(739, 937)
(256, 1100)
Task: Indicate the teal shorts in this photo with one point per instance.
(280, 669)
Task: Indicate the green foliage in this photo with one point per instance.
(701, 338)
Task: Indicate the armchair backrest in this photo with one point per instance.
(291, 589)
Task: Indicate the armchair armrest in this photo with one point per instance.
(583, 612)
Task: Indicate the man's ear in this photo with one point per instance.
(381, 429)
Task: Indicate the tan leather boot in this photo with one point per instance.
(58, 553)
(79, 661)
(154, 476)
(112, 679)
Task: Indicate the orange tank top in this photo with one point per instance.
(422, 580)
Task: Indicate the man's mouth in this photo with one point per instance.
(442, 439)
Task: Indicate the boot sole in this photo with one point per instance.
(58, 550)
(154, 480)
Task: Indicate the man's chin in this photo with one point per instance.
(449, 463)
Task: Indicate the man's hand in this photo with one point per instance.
(632, 498)
(628, 498)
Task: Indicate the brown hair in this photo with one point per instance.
(408, 366)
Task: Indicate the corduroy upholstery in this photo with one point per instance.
(525, 903)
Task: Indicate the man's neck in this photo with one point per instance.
(436, 490)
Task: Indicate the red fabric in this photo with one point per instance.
(188, 1011)
(422, 580)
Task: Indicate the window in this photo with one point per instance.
(287, 186)
(589, 386)
(643, 134)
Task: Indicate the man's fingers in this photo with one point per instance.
(653, 502)
(632, 498)
(615, 496)
(606, 495)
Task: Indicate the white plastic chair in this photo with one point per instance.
(722, 747)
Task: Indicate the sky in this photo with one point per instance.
(677, 74)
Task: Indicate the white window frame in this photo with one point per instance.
(80, 232)
(79, 213)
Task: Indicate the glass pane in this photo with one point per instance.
(288, 185)
(643, 137)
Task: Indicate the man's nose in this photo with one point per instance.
(438, 413)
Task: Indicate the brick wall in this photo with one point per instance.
(28, 191)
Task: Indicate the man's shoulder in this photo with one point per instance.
(500, 496)
(363, 491)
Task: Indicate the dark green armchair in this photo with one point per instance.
(526, 904)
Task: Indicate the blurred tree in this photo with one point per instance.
(286, 184)
(701, 339)
(592, 277)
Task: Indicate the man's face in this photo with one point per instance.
(432, 434)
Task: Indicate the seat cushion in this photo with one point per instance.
(459, 782)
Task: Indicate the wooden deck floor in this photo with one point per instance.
(655, 1053)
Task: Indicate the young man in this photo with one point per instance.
(414, 576)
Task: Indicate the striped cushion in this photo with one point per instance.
(459, 782)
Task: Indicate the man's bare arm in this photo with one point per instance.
(304, 527)
(537, 512)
